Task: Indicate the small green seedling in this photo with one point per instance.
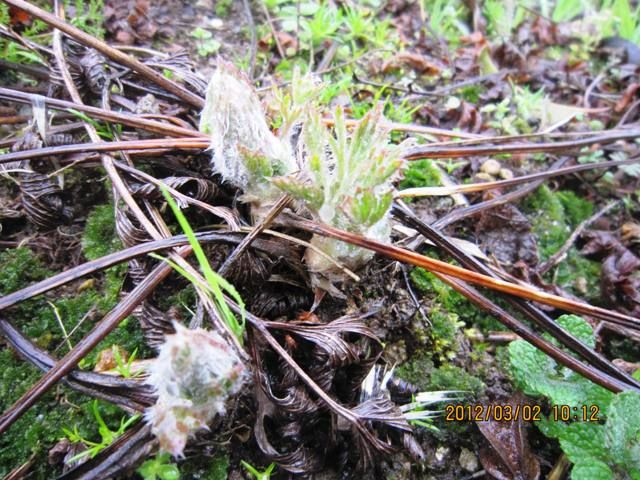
(215, 284)
(257, 474)
(159, 468)
(124, 368)
(206, 45)
(107, 436)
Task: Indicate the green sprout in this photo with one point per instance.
(215, 284)
(205, 43)
(347, 182)
(107, 436)
(159, 468)
(257, 474)
(124, 368)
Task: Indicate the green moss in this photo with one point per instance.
(554, 216)
(223, 7)
(99, 237)
(184, 299)
(549, 221)
(41, 426)
(206, 468)
(421, 173)
(452, 301)
(417, 370)
(450, 377)
(20, 267)
(420, 371)
(576, 209)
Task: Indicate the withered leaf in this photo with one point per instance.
(508, 455)
(505, 233)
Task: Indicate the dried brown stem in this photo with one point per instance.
(531, 311)
(478, 187)
(123, 146)
(88, 343)
(112, 53)
(135, 121)
(428, 151)
(407, 256)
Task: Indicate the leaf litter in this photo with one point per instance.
(314, 349)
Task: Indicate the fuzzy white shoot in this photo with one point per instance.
(196, 371)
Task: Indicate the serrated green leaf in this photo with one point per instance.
(581, 440)
(622, 430)
(300, 190)
(551, 428)
(539, 375)
(590, 469)
(577, 327)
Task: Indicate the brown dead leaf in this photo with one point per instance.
(627, 97)
(18, 17)
(287, 41)
(419, 63)
(508, 455)
(505, 233)
(107, 361)
(631, 232)
(620, 276)
(130, 20)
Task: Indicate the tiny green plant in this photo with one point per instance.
(88, 16)
(107, 436)
(206, 45)
(125, 368)
(159, 468)
(347, 183)
(503, 17)
(257, 474)
(598, 451)
(445, 19)
(215, 285)
(342, 177)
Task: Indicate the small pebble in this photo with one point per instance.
(505, 174)
(441, 453)
(491, 167)
(484, 177)
(468, 461)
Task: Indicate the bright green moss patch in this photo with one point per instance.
(421, 173)
(100, 237)
(41, 427)
(450, 377)
(417, 370)
(20, 267)
(37, 432)
(420, 371)
(554, 216)
(453, 302)
(206, 468)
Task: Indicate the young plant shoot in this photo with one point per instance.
(339, 177)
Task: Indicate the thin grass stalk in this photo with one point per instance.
(131, 120)
(88, 343)
(530, 310)
(110, 52)
(412, 258)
